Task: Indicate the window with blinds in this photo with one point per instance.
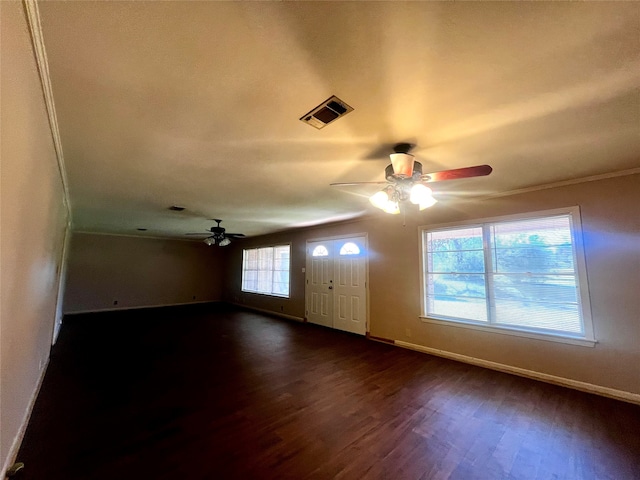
(521, 274)
(266, 270)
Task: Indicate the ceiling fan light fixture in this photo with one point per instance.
(402, 164)
(380, 199)
(422, 196)
(224, 242)
(419, 193)
(386, 200)
(430, 202)
(210, 241)
(392, 207)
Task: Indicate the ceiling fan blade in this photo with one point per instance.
(457, 173)
(356, 183)
(238, 235)
(205, 233)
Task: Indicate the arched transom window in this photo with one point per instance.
(349, 248)
(320, 251)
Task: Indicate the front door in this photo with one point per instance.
(336, 290)
(319, 284)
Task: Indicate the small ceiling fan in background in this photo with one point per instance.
(219, 235)
(405, 181)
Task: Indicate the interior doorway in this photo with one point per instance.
(336, 283)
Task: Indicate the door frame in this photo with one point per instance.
(332, 238)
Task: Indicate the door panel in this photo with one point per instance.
(342, 306)
(355, 309)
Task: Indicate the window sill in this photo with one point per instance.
(503, 330)
(275, 295)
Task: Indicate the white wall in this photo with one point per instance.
(139, 272)
(33, 222)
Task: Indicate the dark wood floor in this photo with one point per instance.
(218, 393)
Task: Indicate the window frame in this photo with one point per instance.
(272, 271)
(587, 339)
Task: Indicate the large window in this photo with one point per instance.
(266, 270)
(521, 274)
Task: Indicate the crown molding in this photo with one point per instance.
(574, 181)
(133, 235)
(40, 53)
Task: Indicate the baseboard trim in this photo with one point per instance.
(523, 372)
(379, 339)
(270, 312)
(17, 440)
(140, 307)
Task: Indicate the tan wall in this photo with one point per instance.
(293, 306)
(611, 225)
(32, 228)
(139, 272)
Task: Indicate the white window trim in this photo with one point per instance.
(288, 295)
(576, 230)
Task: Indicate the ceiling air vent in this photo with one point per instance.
(326, 112)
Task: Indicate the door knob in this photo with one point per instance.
(330, 287)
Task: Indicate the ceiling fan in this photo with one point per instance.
(405, 181)
(219, 235)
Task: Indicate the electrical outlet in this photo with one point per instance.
(407, 332)
(115, 302)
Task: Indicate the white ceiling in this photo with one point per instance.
(197, 103)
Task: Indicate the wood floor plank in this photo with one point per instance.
(215, 392)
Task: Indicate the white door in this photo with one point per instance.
(319, 284)
(336, 283)
(350, 286)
